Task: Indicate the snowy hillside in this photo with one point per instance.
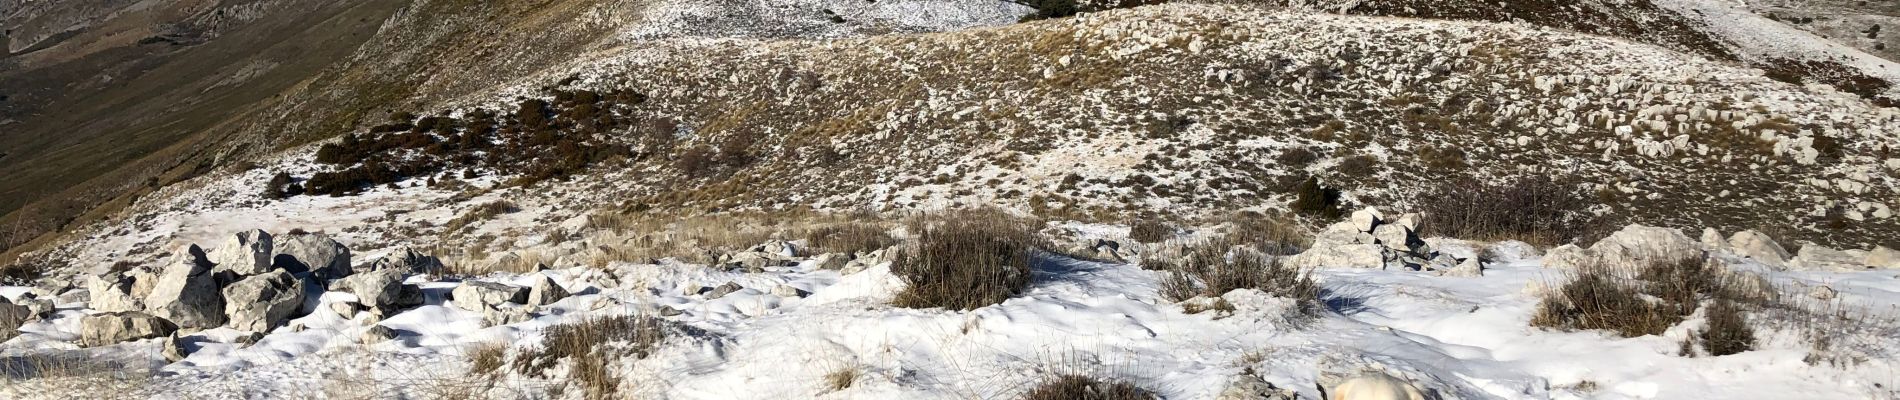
(739, 199)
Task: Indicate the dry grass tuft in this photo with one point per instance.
(842, 378)
(592, 346)
(965, 260)
(1619, 299)
(1149, 230)
(1078, 387)
(851, 237)
(1214, 268)
(1728, 331)
(480, 213)
(1537, 210)
(486, 358)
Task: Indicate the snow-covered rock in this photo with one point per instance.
(1569, 256)
(1637, 245)
(112, 292)
(261, 302)
(187, 294)
(115, 327)
(313, 252)
(244, 253)
(1817, 257)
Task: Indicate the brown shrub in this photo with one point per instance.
(1149, 230)
(1310, 198)
(1597, 300)
(851, 238)
(1297, 157)
(592, 345)
(1078, 387)
(1214, 268)
(966, 260)
(480, 213)
(1537, 210)
(1728, 331)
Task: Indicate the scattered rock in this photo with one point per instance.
(1511, 251)
(346, 309)
(261, 302)
(1397, 237)
(1759, 247)
(503, 314)
(670, 311)
(1468, 268)
(544, 292)
(757, 261)
(186, 294)
(482, 296)
(1410, 221)
(376, 334)
(723, 290)
(244, 253)
(408, 260)
(248, 339)
(313, 252)
(115, 327)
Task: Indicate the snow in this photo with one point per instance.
(1461, 337)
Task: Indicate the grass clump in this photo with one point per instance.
(480, 213)
(1648, 299)
(965, 260)
(1597, 300)
(851, 238)
(1078, 387)
(842, 378)
(592, 345)
(1215, 268)
(1727, 332)
(1149, 230)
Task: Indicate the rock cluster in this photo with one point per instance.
(252, 281)
(1369, 240)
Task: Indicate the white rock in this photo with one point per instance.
(481, 296)
(1468, 268)
(1396, 237)
(115, 327)
(1712, 239)
(1375, 386)
(380, 289)
(1759, 247)
(1817, 257)
(244, 253)
(545, 291)
(186, 294)
(1638, 246)
(1342, 256)
(1511, 251)
(409, 261)
(1410, 221)
(1883, 257)
(1569, 256)
(313, 252)
(112, 292)
(1365, 220)
(262, 302)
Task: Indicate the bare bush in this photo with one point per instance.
(591, 346)
(1078, 387)
(851, 238)
(483, 212)
(1619, 299)
(1595, 299)
(966, 260)
(1728, 331)
(1149, 230)
(1538, 210)
(1215, 268)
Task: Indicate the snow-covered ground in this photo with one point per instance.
(1465, 338)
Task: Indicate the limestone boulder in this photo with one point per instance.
(244, 253)
(313, 252)
(379, 289)
(112, 292)
(545, 291)
(724, 290)
(1883, 258)
(1397, 237)
(187, 294)
(117, 327)
(1343, 256)
(1638, 245)
(1569, 256)
(1712, 239)
(1759, 247)
(262, 302)
(1817, 257)
(481, 296)
(1365, 220)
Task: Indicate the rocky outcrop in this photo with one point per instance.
(313, 252)
(115, 327)
(544, 292)
(1759, 247)
(478, 295)
(1817, 257)
(407, 260)
(244, 253)
(1637, 245)
(259, 303)
(1366, 240)
(186, 293)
